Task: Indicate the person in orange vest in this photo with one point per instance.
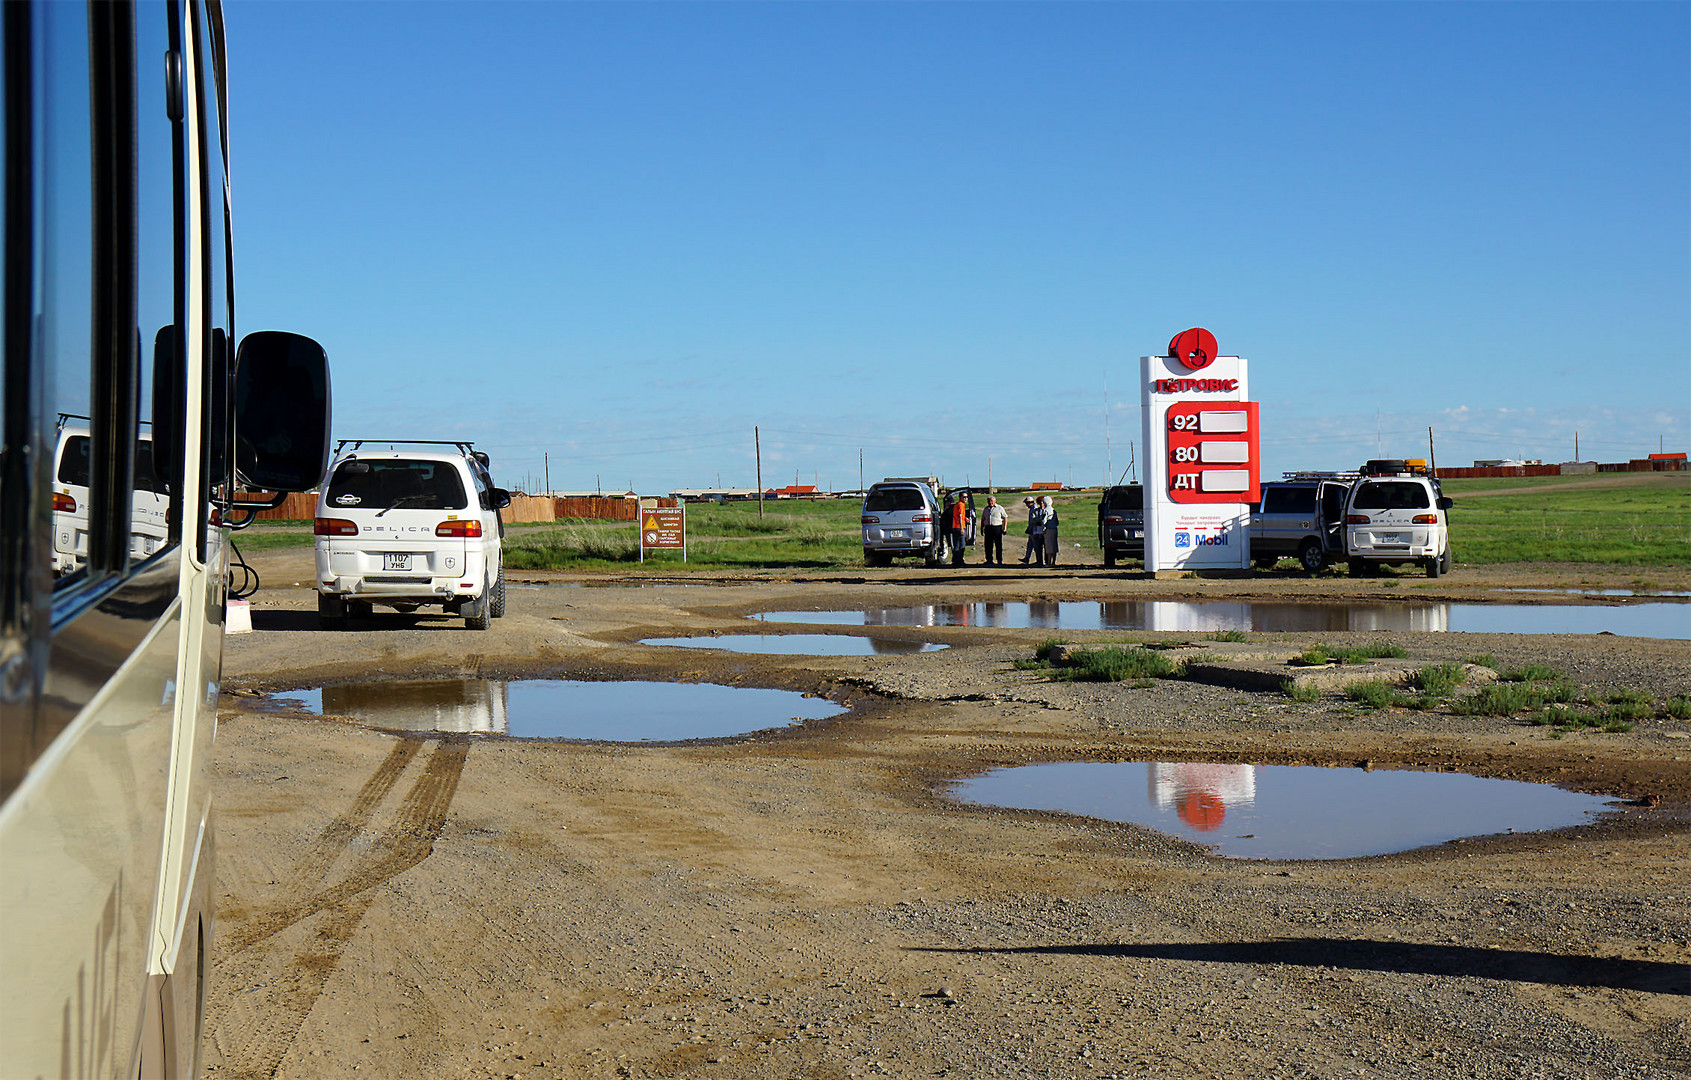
(956, 526)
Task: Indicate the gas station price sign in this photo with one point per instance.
(1212, 452)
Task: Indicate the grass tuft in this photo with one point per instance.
(1439, 680)
(1117, 664)
(1530, 673)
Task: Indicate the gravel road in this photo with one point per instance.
(808, 902)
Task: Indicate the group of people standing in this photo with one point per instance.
(1041, 530)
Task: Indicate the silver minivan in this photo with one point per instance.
(902, 518)
(1300, 519)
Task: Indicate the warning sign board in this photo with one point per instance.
(663, 527)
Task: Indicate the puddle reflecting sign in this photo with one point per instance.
(663, 527)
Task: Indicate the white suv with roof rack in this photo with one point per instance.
(407, 528)
(1395, 514)
(149, 501)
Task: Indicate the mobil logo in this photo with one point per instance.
(1213, 540)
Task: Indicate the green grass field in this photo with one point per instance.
(1626, 519)
(1630, 519)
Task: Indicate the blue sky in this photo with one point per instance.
(624, 234)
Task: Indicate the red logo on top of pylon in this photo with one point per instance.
(1194, 347)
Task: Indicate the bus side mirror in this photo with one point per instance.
(282, 409)
(1445, 502)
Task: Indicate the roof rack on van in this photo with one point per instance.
(465, 447)
(1314, 474)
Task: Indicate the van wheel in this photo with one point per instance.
(476, 613)
(360, 609)
(497, 609)
(876, 558)
(331, 612)
(936, 555)
(1446, 561)
(1311, 557)
(1109, 557)
(1434, 567)
(1359, 568)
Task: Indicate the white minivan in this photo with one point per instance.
(1392, 520)
(148, 508)
(408, 528)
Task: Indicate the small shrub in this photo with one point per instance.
(1678, 707)
(1483, 660)
(1028, 663)
(1374, 650)
(1227, 635)
(1630, 697)
(1048, 648)
(1314, 656)
(1116, 664)
(1372, 693)
(1530, 673)
(1499, 699)
(1439, 680)
(1303, 694)
(1622, 712)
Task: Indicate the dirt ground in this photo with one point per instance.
(808, 903)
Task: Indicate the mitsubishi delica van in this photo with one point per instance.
(902, 517)
(149, 501)
(410, 528)
(1396, 518)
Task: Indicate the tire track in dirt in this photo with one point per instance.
(274, 985)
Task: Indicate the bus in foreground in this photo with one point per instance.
(118, 312)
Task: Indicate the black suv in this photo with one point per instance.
(1121, 523)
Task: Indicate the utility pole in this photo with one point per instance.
(1576, 445)
(1432, 455)
(547, 460)
(757, 449)
(860, 486)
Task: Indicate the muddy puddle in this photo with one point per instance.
(625, 711)
(801, 644)
(1657, 620)
(1287, 812)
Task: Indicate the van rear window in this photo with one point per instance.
(1391, 495)
(389, 485)
(73, 463)
(887, 500)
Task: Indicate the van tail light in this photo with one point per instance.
(465, 527)
(216, 518)
(334, 527)
(1114, 519)
(922, 519)
(63, 504)
(1425, 519)
(871, 519)
(1356, 519)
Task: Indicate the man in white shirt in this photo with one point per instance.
(994, 519)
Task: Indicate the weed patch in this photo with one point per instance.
(1530, 673)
